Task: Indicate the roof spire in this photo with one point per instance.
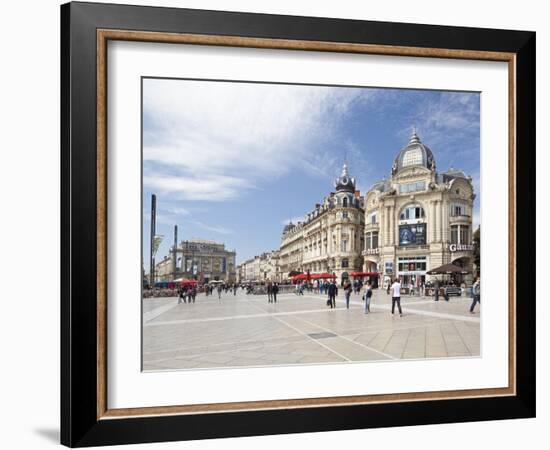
(414, 137)
(345, 172)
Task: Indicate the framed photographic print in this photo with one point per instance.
(272, 224)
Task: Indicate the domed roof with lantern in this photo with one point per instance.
(288, 227)
(344, 183)
(415, 153)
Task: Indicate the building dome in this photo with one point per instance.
(344, 183)
(414, 154)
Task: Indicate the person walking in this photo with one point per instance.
(348, 289)
(194, 293)
(436, 287)
(332, 291)
(269, 292)
(476, 295)
(181, 298)
(274, 290)
(368, 295)
(219, 291)
(396, 296)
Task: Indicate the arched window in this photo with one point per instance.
(345, 202)
(412, 212)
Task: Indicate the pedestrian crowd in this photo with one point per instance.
(188, 294)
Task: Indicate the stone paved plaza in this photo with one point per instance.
(246, 330)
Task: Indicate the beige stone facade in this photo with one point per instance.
(164, 270)
(418, 219)
(198, 259)
(261, 268)
(330, 238)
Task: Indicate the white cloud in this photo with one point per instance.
(212, 140)
(454, 114)
(210, 187)
(213, 228)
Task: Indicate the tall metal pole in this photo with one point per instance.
(153, 233)
(175, 255)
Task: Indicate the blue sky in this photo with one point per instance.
(233, 162)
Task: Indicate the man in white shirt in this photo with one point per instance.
(396, 296)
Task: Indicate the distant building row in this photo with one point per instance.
(265, 267)
(198, 259)
(416, 220)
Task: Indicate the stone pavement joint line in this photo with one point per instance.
(247, 331)
(153, 314)
(352, 341)
(313, 340)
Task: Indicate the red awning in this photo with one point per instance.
(299, 277)
(364, 274)
(185, 282)
(318, 276)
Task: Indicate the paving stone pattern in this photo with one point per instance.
(246, 330)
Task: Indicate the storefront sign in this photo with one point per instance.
(371, 251)
(461, 247)
(412, 234)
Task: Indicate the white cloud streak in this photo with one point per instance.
(214, 140)
(453, 114)
(213, 228)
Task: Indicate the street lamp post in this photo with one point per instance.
(175, 253)
(153, 232)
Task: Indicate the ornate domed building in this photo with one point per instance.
(418, 219)
(330, 238)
